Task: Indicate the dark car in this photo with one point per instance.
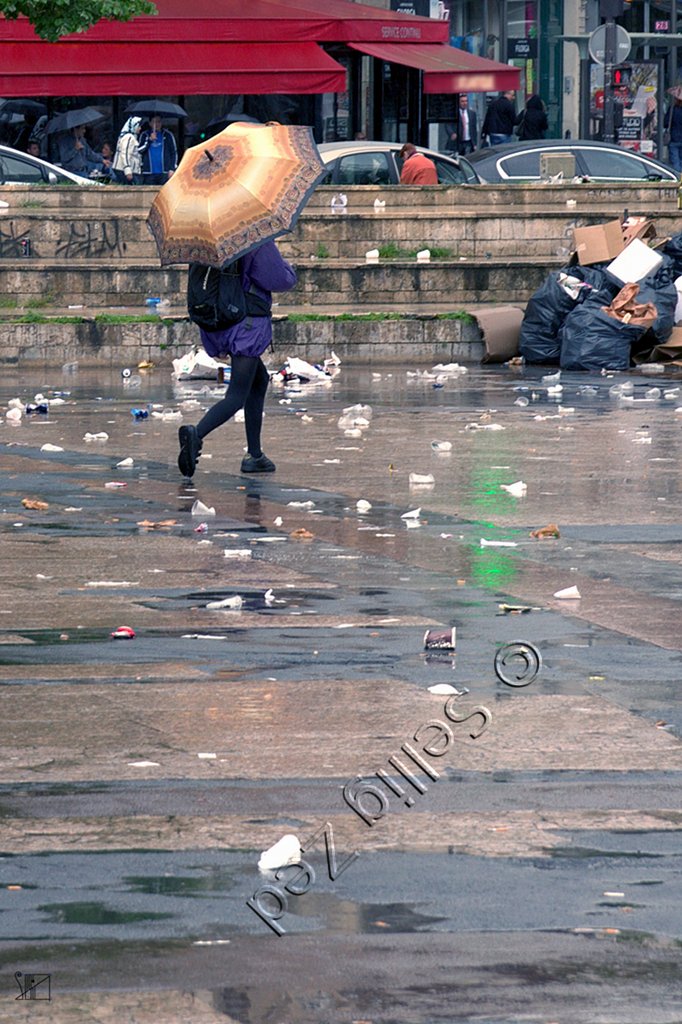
(599, 161)
(377, 163)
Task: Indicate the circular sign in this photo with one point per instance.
(597, 45)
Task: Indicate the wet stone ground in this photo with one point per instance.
(532, 873)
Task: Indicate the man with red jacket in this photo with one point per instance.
(417, 168)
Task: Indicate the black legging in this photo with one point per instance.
(248, 383)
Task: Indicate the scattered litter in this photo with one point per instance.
(112, 583)
(34, 504)
(139, 414)
(413, 514)
(614, 895)
(13, 415)
(269, 598)
(516, 609)
(441, 446)
(440, 640)
(235, 603)
(523, 402)
(161, 524)
(484, 426)
(201, 528)
(297, 371)
(546, 532)
(568, 594)
(198, 365)
(125, 463)
(207, 757)
(555, 389)
(443, 688)
(498, 543)
(362, 505)
(237, 553)
(51, 448)
(421, 480)
(100, 436)
(199, 509)
(301, 534)
(301, 504)
(123, 633)
(286, 851)
(143, 764)
(552, 378)
(517, 489)
(113, 485)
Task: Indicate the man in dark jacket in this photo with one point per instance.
(500, 119)
(159, 153)
(464, 138)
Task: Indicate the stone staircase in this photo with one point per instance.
(91, 251)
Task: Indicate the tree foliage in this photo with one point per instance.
(53, 19)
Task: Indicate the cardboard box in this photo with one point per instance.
(638, 227)
(599, 243)
(635, 262)
(552, 164)
(500, 328)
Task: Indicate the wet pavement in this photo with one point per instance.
(535, 872)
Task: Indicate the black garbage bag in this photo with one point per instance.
(673, 249)
(547, 309)
(659, 288)
(593, 340)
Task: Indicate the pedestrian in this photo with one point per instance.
(76, 154)
(674, 129)
(532, 121)
(417, 168)
(159, 153)
(500, 119)
(464, 138)
(263, 270)
(127, 162)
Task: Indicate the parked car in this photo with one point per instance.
(17, 168)
(378, 163)
(598, 161)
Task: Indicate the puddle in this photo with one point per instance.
(95, 913)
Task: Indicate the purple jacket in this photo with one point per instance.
(266, 271)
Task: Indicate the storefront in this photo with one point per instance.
(343, 67)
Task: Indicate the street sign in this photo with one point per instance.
(597, 45)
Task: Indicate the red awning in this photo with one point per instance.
(258, 21)
(166, 69)
(446, 69)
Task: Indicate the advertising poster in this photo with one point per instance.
(635, 90)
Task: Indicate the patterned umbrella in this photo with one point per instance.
(233, 192)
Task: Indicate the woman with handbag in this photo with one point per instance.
(531, 123)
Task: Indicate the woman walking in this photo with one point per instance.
(262, 271)
(127, 162)
(532, 121)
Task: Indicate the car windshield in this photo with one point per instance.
(610, 164)
(15, 170)
(449, 173)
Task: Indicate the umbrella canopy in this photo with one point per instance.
(156, 108)
(73, 119)
(20, 106)
(235, 191)
(224, 119)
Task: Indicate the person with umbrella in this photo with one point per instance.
(228, 200)
(76, 154)
(127, 162)
(159, 153)
(262, 271)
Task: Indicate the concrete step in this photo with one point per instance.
(99, 284)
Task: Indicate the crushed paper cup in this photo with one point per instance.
(199, 509)
(413, 514)
(444, 688)
(424, 256)
(286, 851)
(440, 640)
(568, 594)
(421, 480)
(498, 543)
(517, 489)
(372, 256)
(362, 505)
(235, 603)
(123, 633)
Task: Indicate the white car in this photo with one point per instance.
(17, 168)
(365, 162)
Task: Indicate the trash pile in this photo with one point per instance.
(198, 365)
(299, 371)
(615, 304)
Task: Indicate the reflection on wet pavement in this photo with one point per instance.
(141, 778)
